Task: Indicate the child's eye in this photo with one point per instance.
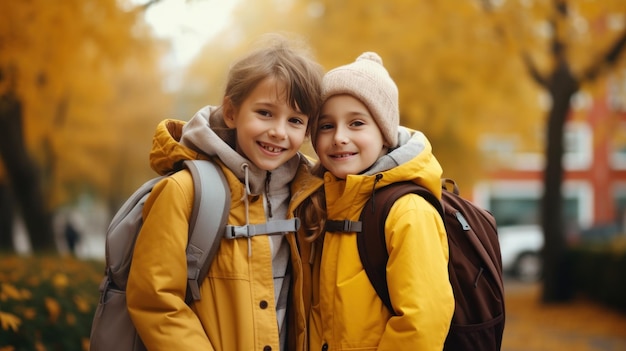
(297, 120)
(357, 123)
(325, 126)
(264, 113)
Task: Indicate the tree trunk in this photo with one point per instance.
(23, 176)
(6, 217)
(557, 277)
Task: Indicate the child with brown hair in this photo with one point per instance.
(252, 297)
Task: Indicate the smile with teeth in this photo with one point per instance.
(271, 148)
(343, 155)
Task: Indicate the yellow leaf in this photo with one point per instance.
(60, 281)
(29, 313)
(25, 294)
(39, 346)
(81, 304)
(10, 292)
(54, 309)
(10, 321)
(85, 343)
(71, 319)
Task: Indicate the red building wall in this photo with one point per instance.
(600, 174)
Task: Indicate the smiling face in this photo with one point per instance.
(269, 131)
(348, 140)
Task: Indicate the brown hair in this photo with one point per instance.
(286, 60)
(312, 211)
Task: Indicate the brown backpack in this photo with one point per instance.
(475, 265)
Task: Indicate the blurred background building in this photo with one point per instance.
(594, 188)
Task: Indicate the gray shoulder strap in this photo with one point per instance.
(208, 220)
(277, 227)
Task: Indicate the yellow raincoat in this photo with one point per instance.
(237, 306)
(347, 313)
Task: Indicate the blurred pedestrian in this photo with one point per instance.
(72, 236)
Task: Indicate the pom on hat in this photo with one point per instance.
(372, 56)
(367, 80)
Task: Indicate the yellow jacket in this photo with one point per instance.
(237, 306)
(347, 313)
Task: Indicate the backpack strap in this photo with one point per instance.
(212, 200)
(273, 227)
(343, 226)
(207, 230)
(371, 241)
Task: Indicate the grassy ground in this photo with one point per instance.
(577, 326)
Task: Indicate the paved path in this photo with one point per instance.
(577, 326)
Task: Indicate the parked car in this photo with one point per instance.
(520, 246)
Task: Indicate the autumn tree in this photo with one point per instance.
(567, 46)
(75, 78)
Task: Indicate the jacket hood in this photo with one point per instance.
(206, 136)
(167, 154)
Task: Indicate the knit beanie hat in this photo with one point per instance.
(367, 80)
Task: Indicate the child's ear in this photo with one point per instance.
(228, 111)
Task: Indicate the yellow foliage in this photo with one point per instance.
(71, 319)
(82, 304)
(9, 291)
(458, 64)
(53, 308)
(53, 311)
(60, 280)
(9, 321)
(30, 313)
(88, 77)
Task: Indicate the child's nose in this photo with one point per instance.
(340, 137)
(278, 131)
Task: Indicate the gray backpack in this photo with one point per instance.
(112, 328)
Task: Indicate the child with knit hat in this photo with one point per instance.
(361, 148)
